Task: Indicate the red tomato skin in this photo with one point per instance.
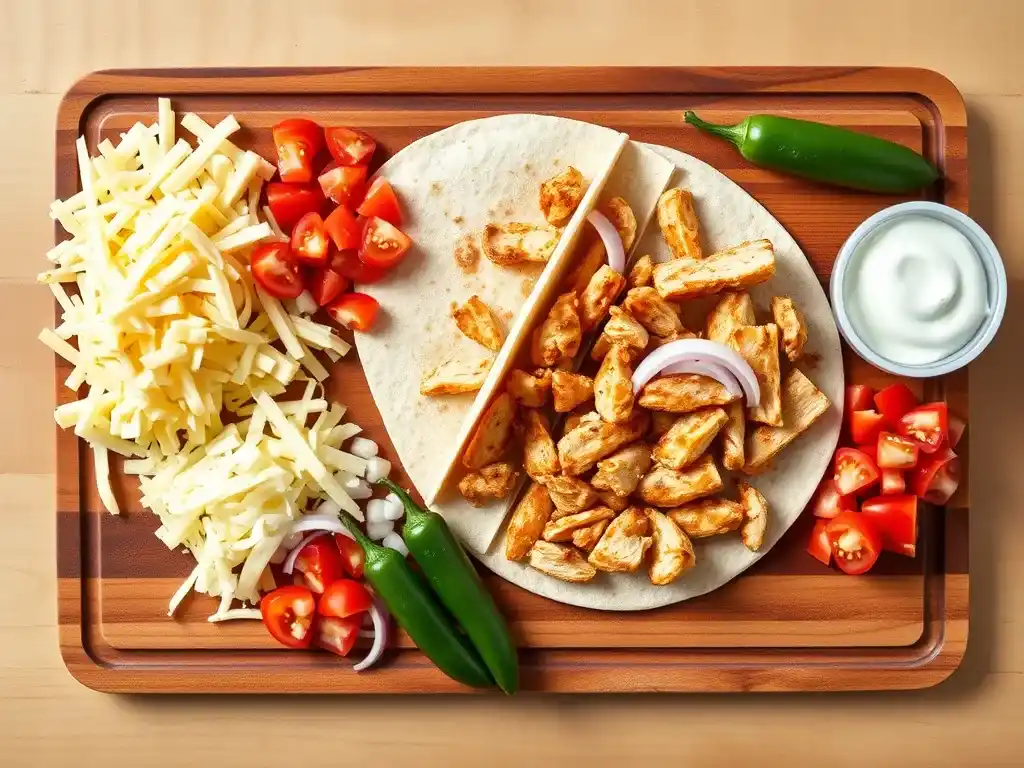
(320, 564)
(347, 263)
(352, 555)
(349, 146)
(894, 401)
(858, 398)
(893, 482)
(860, 471)
(895, 519)
(309, 242)
(384, 245)
(896, 452)
(828, 502)
(325, 285)
(818, 545)
(928, 425)
(290, 202)
(355, 311)
(337, 635)
(343, 184)
(865, 426)
(288, 614)
(345, 229)
(382, 202)
(344, 598)
(273, 267)
(297, 141)
(870, 539)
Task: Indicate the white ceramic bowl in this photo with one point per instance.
(995, 277)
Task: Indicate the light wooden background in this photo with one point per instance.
(47, 719)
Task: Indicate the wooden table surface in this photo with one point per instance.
(48, 719)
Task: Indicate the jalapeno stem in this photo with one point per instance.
(731, 133)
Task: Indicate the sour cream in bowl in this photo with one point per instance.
(918, 289)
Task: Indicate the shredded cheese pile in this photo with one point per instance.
(172, 331)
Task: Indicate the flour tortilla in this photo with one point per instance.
(451, 184)
(728, 216)
(639, 177)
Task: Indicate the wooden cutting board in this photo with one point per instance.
(788, 623)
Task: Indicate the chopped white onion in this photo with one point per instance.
(377, 469)
(329, 507)
(377, 531)
(612, 242)
(395, 542)
(395, 510)
(306, 304)
(377, 511)
(716, 371)
(289, 562)
(380, 637)
(363, 447)
(357, 488)
(704, 350)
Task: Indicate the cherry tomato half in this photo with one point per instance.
(344, 598)
(927, 424)
(957, 426)
(320, 564)
(343, 184)
(828, 502)
(349, 146)
(858, 398)
(276, 271)
(818, 545)
(344, 228)
(325, 285)
(865, 426)
(355, 311)
(309, 242)
(896, 452)
(288, 614)
(855, 470)
(337, 635)
(347, 263)
(384, 245)
(895, 519)
(894, 401)
(937, 477)
(893, 482)
(854, 542)
(352, 555)
(297, 141)
(290, 202)
(381, 201)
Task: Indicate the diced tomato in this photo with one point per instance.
(343, 184)
(896, 452)
(290, 202)
(347, 263)
(337, 635)
(937, 477)
(858, 398)
(384, 245)
(828, 502)
(865, 426)
(381, 201)
(956, 429)
(309, 241)
(321, 564)
(855, 470)
(297, 141)
(854, 541)
(894, 401)
(895, 519)
(325, 285)
(344, 228)
(893, 482)
(927, 424)
(818, 545)
(344, 598)
(349, 146)
(288, 614)
(352, 555)
(276, 271)
(355, 311)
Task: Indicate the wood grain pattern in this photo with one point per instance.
(775, 628)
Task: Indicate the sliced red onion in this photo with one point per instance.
(315, 522)
(707, 368)
(684, 350)
(289, 562)
(612, 242)
(380, 637)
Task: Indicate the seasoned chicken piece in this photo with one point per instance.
(667, 487)
(733, 436)
(528, 521)
(540, 459)
(569, 495)
(660, 341)
(708, 517)
(602, 290)
(622, 329)
(672, 552)
(591, 441)
(495, 481)
(613, 386)
(755, 516)
(642, 273)
(574, 420)
(734, 309)
(652, 312)
(478, 323)
(587, 538)
(618, 212)
(625, 542)
(531, 390)
(560, 196)
(759, 346)
(559, 333)
(467, 254)
(661, 422)
(802, 405)
(562, 562)
(562, 528)
(688, 439)
(738, 267)
(620, 472)
(570, 390)
(613, 501)
(594, 257)
(684, 392)
(455, 377)
(679, 225)
(792, 326)
(492, 434)
(515, 243)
